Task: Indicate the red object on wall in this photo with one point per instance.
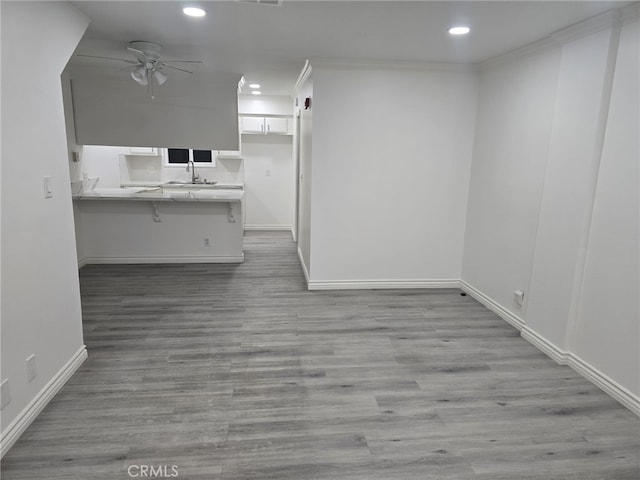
(307, 103)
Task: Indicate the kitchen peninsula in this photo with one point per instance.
(159, 224)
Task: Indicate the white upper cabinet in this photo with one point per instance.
(276, 125)
(143, 151)
(252, 124)
(264, 125)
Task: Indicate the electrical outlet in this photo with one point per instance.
(5, 394)
(32, 371)
(207, 242)
(518, 297)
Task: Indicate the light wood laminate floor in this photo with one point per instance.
(238, 372)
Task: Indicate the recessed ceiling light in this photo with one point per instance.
(459, 30)
(254, 85)
(256, 92)
(194, 12)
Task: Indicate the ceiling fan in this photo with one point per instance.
(147, 66)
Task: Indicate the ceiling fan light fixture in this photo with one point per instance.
(140, 75)
(194, 12)
(160, 77)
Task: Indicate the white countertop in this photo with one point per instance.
(186, 185)
(157, 194)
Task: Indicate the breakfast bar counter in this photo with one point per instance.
(163, 194)
(168, 224)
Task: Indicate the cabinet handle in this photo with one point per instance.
(268, 128)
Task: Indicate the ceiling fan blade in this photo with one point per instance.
(106, 58)
(139, 54)
(176, 68)
(182, 61)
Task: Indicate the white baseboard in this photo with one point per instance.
(82, 262)
(492, 305)
(595, 376)
(304, 266)
(381, 284)
(35, 406)
(541, 343)
(608, 385)
(179, 259)
(267, 227)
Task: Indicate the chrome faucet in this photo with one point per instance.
(194, 177)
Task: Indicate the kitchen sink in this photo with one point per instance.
(176, 183)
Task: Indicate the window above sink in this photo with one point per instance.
(182, 156)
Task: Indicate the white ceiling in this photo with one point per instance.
(269, 44)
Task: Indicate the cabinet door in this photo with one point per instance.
(276, 125)
(143, 151)
(252, 124)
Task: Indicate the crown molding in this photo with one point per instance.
(630, 13)
(544, 44)
(358, 64)
(592, 25)
(609, 19)
(304, 74)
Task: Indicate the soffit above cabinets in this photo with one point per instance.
(199, 111)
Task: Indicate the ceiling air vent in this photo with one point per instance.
(275, 3)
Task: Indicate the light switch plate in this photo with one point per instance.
(48, 189)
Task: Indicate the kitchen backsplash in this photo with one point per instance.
(115, 166)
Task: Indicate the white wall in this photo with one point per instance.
(607, 326)
(264, 105)
(391, 160)
(75, 168)
(553, 203)
(513, 126)
(102, 162)
(572, 157)
(305, 139)
(269, 181)
(40, 293)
